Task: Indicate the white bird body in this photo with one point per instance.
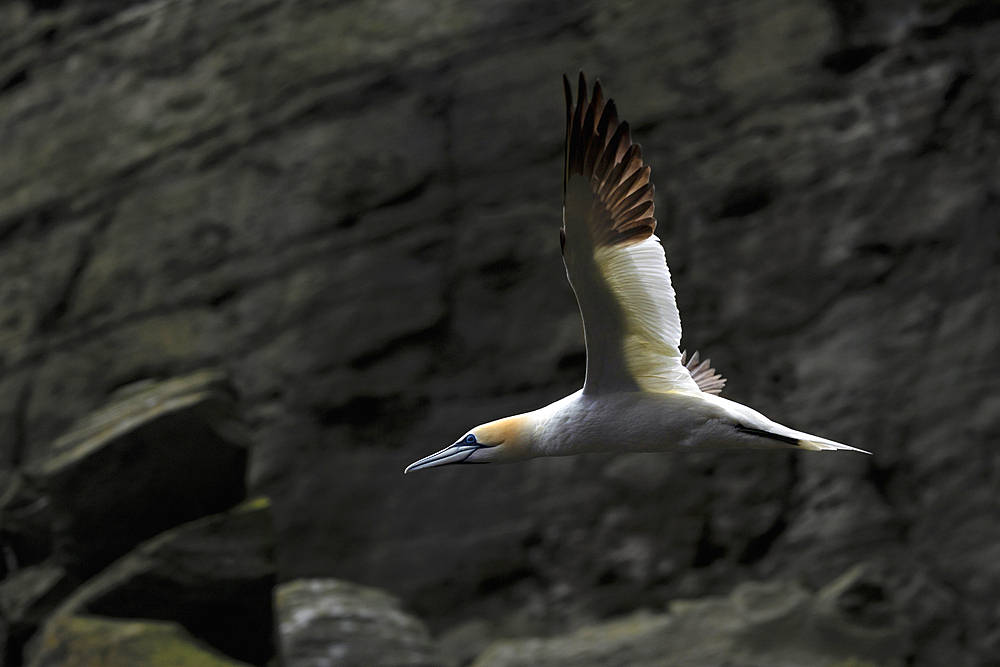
(631, 422)
(619, 421)
(640, 394)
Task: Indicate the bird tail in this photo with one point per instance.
(816, 444)
(798, 439)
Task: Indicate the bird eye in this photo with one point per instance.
(470, 438)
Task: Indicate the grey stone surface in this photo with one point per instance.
(331, 623)
(353, 207)
(463, 643)
(774, 624)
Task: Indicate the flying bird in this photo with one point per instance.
(640, 393)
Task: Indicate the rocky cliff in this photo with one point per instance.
(352, 206)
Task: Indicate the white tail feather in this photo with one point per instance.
(820, 444)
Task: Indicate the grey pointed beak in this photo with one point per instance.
(456, 453)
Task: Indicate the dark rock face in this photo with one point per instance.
(26, 528)
(27, 597)
(353, 206)
(213, 576)
(23, 595)
(156, 456)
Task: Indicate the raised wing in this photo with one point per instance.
(616, 266)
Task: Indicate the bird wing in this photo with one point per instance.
(616, 266)
(703, 374)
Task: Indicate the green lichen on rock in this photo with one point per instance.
(92, 641)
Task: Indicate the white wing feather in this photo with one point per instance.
(640, 280)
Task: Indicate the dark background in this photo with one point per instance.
(353, 207)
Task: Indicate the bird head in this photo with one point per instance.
(499, 441)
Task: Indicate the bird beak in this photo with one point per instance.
(456, 453)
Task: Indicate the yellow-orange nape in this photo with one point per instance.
(510, 437)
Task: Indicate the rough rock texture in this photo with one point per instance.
(331, 623)
(27, 597)
(213, 576)
(353, 206)
(758, 625)
(92, 641)
(159, 454)
(26, 523)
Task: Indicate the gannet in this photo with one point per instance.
(640, 392)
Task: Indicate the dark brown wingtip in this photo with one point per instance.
(599, 148)
(574, 131)
(591, 125)
(568, 91)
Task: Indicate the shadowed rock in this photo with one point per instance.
(22, 593)
(158, 455)
(214, 576)
(26, 525)
(27, 596)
